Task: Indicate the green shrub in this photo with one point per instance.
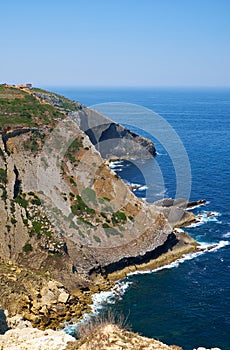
(37, 225)
(27, 248)
(25, 222)
(80, 208)
(3, 176)
(111, 231)
(119, 217)
(71, 180)
(89, 195)
(97, 239)
(13, 221)
(73, 149)
(4, 194)
(1, 153)
(21, 201)
(36, 201)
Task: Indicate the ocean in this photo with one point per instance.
(188, 302)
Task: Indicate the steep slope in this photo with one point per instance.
(63, 213)
(109, 138)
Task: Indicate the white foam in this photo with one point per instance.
(161, 154)
(136, 186)
(117, 162)
(220, 245)
(205, 217)
(139, 187)
(117, 169)
(117, 165)
(117, 292)
(206, 248)
(179, 230)
(99, 301)
(109, 297)
(226, 235)
(197, 206)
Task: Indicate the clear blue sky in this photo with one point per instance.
(115, 42)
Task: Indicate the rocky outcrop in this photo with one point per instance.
(66, 218)
(112, 140)
(112, 337)
(41, 300)
(32, 338)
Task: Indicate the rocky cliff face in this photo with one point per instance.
(112, 140)
(63, 213)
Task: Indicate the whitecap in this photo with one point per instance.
(117, 169)
(226, 235)
(142, 188)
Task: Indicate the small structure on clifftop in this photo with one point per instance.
(25, 86)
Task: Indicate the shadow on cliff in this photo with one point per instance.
(3, 322)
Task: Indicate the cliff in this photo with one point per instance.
(104, 337)
(112, 140)
(65, 217)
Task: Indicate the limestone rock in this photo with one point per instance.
(31, 338)
(63, 297)
(18, 322)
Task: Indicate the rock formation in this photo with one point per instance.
(112, 337)
(67, 220)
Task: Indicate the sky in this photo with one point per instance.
(136, 43)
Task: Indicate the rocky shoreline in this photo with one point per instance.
(54, 304)
(47, 302)
(70, 227)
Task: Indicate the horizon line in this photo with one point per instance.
(136, 86)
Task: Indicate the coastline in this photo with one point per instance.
(107, 289)
(185, 245)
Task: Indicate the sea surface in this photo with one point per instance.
(188, 302)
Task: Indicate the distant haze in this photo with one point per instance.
(115, 43)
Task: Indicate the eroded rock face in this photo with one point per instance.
(34, 297)
(69, 203)
(123, 143)
(65, 216)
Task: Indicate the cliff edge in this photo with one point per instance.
(68, 222)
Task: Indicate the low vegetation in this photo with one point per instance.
(18, 107)
(58, 100)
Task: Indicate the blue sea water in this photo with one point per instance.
(187, 304)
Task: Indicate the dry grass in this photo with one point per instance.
(100, 321)
(106, 332)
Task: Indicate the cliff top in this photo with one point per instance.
(19, 107)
